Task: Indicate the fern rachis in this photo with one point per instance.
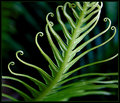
(54, 89)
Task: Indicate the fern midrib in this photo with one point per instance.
(65, 59)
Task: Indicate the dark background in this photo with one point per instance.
(20, 22)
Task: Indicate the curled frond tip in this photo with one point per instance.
(11, 63)
(51, 14)
(49, 22)
(72, 5)
(19, 52)
(106, 19)
(40, 34)
(113, 28)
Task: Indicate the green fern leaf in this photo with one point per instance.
(59, 85)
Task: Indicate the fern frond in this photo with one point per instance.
(9, 97)
(39, 83)
(59, 86)
(45, 75)
(33, 91)
(24, 95)
(54, 67)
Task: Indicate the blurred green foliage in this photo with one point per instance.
(10, 12)
(22, 20)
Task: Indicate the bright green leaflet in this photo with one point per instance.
(54, 88)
